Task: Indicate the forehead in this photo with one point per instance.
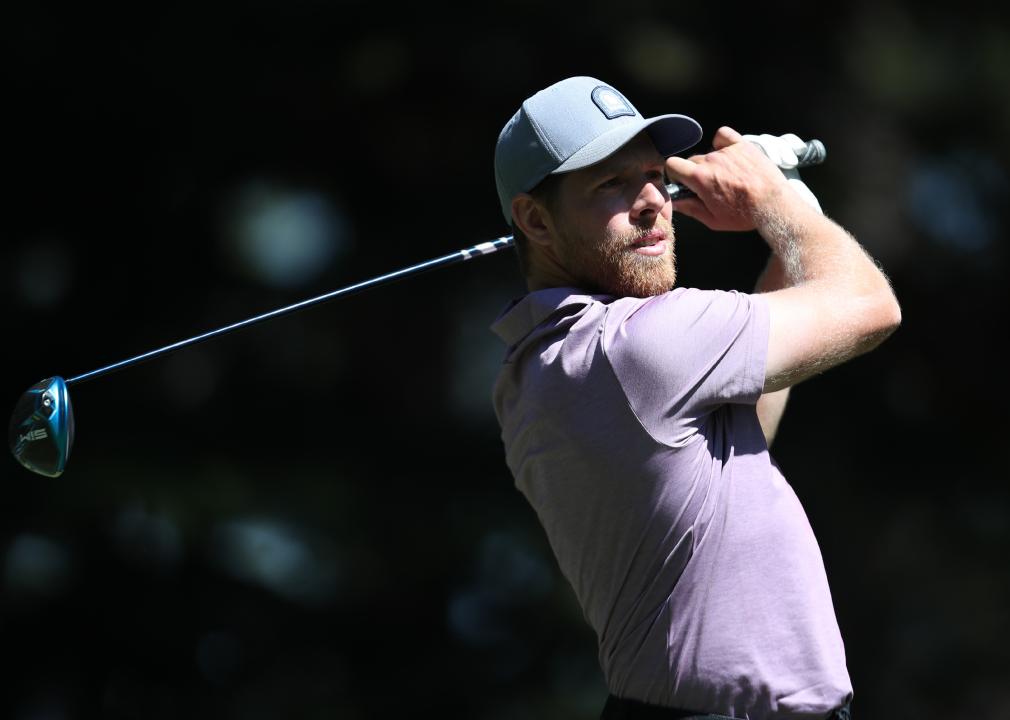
(638, 151)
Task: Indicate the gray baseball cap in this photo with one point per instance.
(573, 124)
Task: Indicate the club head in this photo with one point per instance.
(42, 427)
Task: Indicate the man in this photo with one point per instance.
(636, 416)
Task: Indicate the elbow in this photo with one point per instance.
(882, 319)
(891, 314)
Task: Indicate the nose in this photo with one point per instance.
(650, 201)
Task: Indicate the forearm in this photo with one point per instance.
(837, 304)
(810, 249)
(770, 406)
(773, 277)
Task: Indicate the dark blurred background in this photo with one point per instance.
(313, 518)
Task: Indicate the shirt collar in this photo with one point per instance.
(522, 315)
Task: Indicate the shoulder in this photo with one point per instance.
(692, 348)
(679, 311)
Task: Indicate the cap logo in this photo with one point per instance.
(611, 102)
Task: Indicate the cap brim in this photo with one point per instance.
(670, 134)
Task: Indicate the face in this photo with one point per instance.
(613, 223)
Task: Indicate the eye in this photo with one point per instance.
(609, 183)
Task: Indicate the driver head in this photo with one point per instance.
(42, 427)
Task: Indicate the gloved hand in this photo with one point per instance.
(782, 150)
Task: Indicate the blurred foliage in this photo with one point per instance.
(349, 453)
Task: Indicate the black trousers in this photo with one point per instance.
(623, 709)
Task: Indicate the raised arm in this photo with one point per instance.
(837, 303)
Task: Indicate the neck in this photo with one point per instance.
(546, 271)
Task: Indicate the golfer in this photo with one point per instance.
(637, 415)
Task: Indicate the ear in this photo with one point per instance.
(533, 219)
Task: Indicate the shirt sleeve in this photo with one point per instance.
(680, 355)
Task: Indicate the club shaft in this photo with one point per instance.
(469, 253)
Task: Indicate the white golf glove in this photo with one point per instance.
(782, 150)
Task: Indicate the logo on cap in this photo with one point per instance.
(611, 102)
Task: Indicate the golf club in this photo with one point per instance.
(41, 432)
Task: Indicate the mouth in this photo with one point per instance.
(652, 244)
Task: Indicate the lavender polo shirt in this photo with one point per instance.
(630, 426)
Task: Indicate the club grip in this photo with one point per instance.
(813, 153)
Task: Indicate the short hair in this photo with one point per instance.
(547, 192)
